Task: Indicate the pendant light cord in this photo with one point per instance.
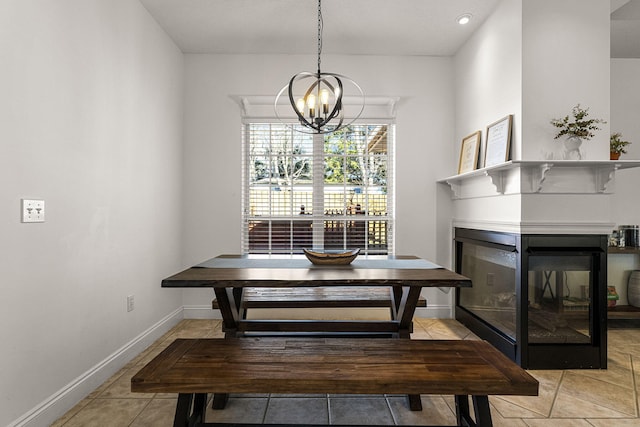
(319, 106)
(320, 26)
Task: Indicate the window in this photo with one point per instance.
(329, 192)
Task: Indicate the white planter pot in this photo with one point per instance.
(572, 148)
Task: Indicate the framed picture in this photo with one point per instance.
(469, 153)
(498, 141)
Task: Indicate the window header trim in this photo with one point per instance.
(260, 107)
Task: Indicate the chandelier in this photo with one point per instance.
(318, 98)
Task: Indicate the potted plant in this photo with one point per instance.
(576, 128)
(617, 145)
(612, 296)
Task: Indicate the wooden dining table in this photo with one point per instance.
(231, 276)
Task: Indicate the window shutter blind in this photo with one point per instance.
(331, 192)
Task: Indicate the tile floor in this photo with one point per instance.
(595, 398)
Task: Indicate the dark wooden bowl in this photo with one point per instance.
(331, 257)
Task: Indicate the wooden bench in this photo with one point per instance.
(195, 367)
(325, 297)
(319, 297)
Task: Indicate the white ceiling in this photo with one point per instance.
(386, 27)
(398, 27)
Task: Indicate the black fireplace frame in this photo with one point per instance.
(536, 355)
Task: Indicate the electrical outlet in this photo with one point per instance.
(130, 303)
(32, 210)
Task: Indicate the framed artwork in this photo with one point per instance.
(469, 153)
(498, 141)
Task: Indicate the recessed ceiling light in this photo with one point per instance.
(464, 19)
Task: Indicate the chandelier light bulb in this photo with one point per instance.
(311, 103)
(324, 100)
(324, 96)
(300, 105)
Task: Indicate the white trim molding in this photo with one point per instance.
(254, 107)
(537, 227)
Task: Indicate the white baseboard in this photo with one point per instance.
(66, 398)
(200, 312)
(444, 311)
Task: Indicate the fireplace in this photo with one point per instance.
(540, 299)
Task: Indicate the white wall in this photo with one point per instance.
(625, 206)
(536, 59)
(91, 116)
(625, 103)
(91, 121)
(488, 70)
(565, 62)
(524, 61)
(213, 145)
(625, 110)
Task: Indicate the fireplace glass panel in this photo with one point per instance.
(539, 298)
(493, 294)
(560, 295)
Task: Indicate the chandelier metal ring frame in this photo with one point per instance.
(319, 106)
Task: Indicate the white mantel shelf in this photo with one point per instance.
(544, 176)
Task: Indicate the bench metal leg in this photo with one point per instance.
(219, 401)
(191, 409)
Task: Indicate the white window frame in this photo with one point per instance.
(254, 110)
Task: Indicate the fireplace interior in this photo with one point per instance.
(540, 299)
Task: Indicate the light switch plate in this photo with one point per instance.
(32, 210)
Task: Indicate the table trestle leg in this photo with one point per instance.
(229, 302)
(406, 300)
(482, 411)
(415, 403)
(229, 310)
(480, 408)
(190, 409)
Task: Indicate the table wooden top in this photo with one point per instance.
(330, 365)
(242, 271)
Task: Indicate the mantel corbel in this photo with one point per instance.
(537, 175)
(604, 175)
(456, 188)
(497, 179)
